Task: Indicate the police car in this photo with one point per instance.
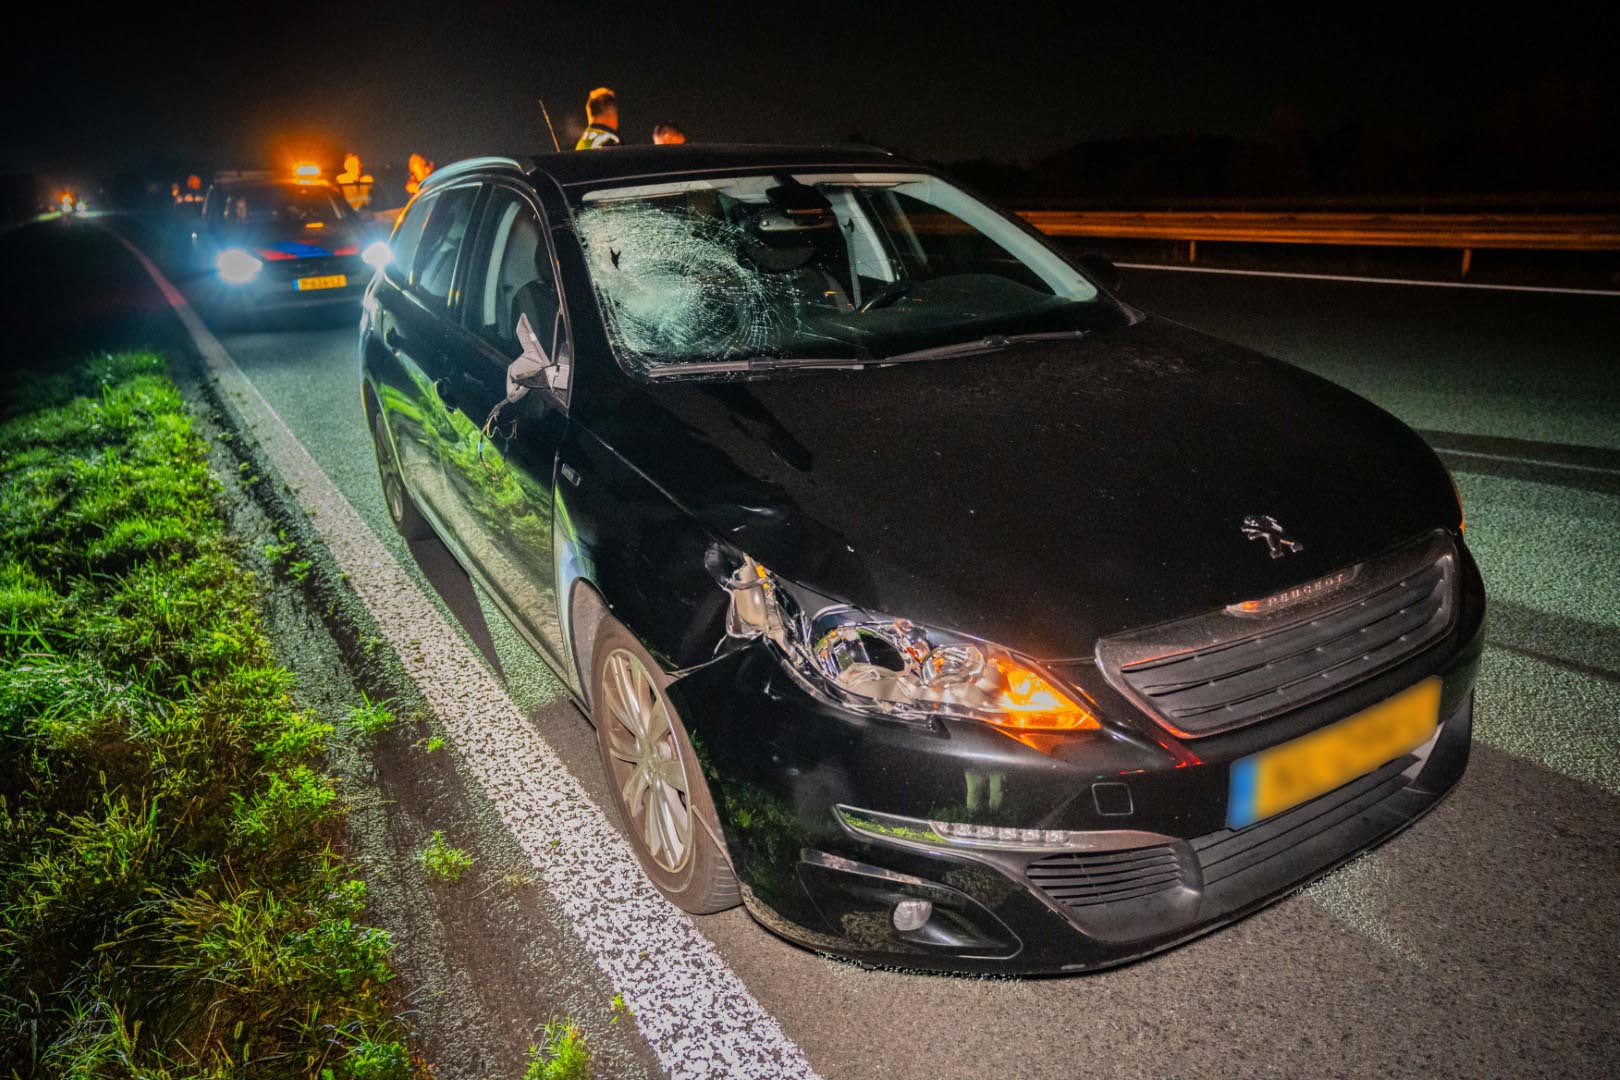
(270, 241)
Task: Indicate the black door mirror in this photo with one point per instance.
(1101, 269)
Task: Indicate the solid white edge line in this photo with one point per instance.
(1355, 280)
(690, 1006)
(1531, 461)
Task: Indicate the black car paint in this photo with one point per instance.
(1139, 451)
(1041, 496)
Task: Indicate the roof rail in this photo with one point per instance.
(470, 165)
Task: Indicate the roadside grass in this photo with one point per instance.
(170, 900)
(440, 860)
(371, 718)
(562, 1054)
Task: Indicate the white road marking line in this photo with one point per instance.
(1359, 280)
(690, 1006)
(1530, 461)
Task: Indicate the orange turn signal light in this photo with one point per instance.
(1030, 703)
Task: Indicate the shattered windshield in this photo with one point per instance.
(818, 267)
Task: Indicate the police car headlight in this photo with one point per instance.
(236, 267)
(377, 255)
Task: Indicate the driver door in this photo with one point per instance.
(500, 472)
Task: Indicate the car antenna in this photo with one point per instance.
(547, 114)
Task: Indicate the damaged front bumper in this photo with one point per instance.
(958, 847)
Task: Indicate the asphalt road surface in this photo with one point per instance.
(1483, 941)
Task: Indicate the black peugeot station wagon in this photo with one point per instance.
(926, 598)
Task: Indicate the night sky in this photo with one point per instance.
(243, 84)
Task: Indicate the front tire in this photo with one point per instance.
(655, 778)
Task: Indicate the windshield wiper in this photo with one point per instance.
(756, 363)
(988, 344)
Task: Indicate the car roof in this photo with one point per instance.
(635, 162)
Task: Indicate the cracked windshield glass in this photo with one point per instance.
(715, 274)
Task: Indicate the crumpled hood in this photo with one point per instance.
(1046, 495)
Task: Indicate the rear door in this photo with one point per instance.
(500, 472)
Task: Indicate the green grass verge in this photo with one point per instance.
(440, 860)
(170, 902)
(563, 1053)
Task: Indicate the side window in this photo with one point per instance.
(511, 278)
(408, 233)
(435, 264)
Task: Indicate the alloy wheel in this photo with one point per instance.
(646, 758)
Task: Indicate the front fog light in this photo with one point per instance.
(911, 914)
(236, 267)
(377, 255)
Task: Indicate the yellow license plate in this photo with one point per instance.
(1273, 780)
(329, 281)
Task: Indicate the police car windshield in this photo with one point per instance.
(818, 267)
(284, 203)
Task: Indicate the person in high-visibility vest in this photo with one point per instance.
(355, 183)
(602, 121)
(418, 168)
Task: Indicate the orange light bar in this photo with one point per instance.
(306, 168)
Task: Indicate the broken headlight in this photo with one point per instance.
(893, 667)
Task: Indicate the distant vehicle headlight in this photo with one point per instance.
(377, 255)
(236, 267)
(891, 667)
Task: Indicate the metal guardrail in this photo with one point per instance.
(1468, 232)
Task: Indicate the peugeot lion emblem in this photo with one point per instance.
(1267, 528)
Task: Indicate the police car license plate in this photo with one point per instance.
(1283, 776)
(328, 281)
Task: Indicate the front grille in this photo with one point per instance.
(1239, 674)
(1080, 879)
(1222, 854)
